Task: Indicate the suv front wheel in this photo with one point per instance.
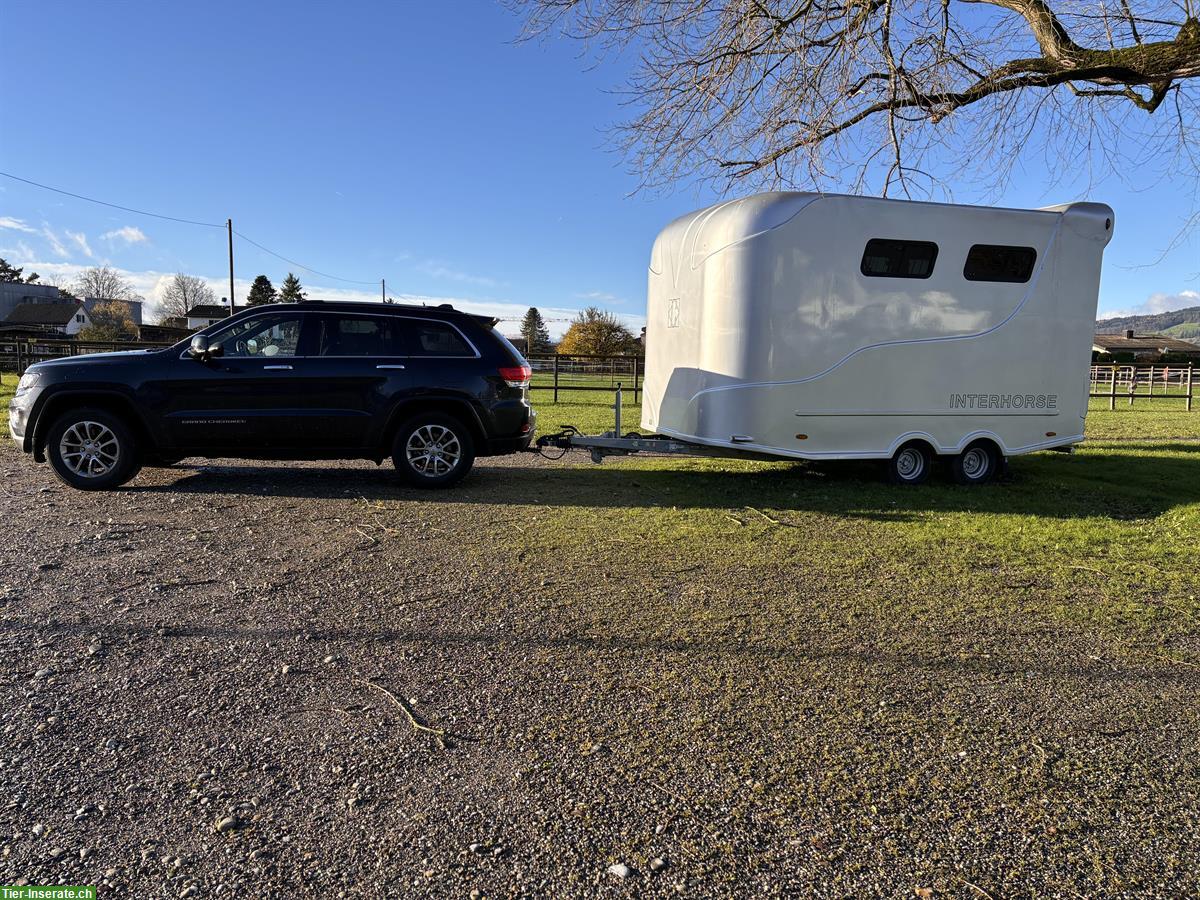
(433, 450)
(92, 450)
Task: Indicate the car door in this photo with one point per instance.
(360, 368)
(252, 396)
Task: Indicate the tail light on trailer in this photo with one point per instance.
(516, 376)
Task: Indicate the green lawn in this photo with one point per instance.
(1109, 536)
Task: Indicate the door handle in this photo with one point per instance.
(265, 368)
(390, 367)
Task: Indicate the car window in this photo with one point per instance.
(436, 339)
(360, 336)
(261, 337)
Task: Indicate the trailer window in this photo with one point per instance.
(991, 262)
(885, 258)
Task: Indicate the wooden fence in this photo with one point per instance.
(18, 355)
(1142, 383)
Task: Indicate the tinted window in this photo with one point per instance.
(436, 339)
(898, 259)
(360, 336)
(990, 262)
(262, 336)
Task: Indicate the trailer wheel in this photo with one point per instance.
(979, 463)
(910, 464)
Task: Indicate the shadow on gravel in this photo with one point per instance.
(1133, 483)
(1019, 665)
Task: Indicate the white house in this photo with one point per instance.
(60, 318)
(205, 314)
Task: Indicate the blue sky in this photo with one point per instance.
(412, 141)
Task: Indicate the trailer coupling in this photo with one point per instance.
(609, 444)
(613, 443)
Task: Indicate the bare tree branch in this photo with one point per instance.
(798, 92)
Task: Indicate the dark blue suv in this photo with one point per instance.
(431, 387)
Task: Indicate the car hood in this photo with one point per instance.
(85, 358)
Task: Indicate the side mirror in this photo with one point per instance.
(201, 349)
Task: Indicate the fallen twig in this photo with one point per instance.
(415, 722)
(770, 519)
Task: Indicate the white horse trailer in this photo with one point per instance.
(817, 326)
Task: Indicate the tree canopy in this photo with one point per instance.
(184, 292)
(894, 96)
(597, 331)
(290, 291)
(110, 321)
(105, 283)
(12, 274)
(535, 332)
(261, 291)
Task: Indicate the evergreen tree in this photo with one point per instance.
(290, 291)
(533, 329)
(262, 291)
(12, 274)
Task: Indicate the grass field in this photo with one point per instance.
(1113, 530)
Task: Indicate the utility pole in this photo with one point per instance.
(383, 289)
(232, 301)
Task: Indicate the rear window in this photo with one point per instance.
(995, 262)
(886, 258)
(518, 356)
(436, 339)
(360, 336)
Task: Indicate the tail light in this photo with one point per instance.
(516, 376)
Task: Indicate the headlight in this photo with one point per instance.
(28, 380)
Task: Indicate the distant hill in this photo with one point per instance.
(1159, 323)
(1187, 331)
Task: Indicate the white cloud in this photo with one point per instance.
(16, 225)
(81, 242)
(130, 234)
(1157, 303)
(56, 244)
(150, 284)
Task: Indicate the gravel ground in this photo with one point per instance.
(212, 682)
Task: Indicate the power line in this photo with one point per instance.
(140, 212)
(299, 265)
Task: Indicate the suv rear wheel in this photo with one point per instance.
(433, 450)
(92, 450)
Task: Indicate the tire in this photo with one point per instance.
(92, 450)
(433, 450)
(911, 464)
(979, 463)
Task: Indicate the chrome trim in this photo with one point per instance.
(265, 368)
(390, 367)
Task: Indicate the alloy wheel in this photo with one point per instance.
(89, 449)
(433, 450)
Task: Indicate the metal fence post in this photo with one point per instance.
(555, 377)
(1112, 390)
(636, 360)
(1189, 392)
